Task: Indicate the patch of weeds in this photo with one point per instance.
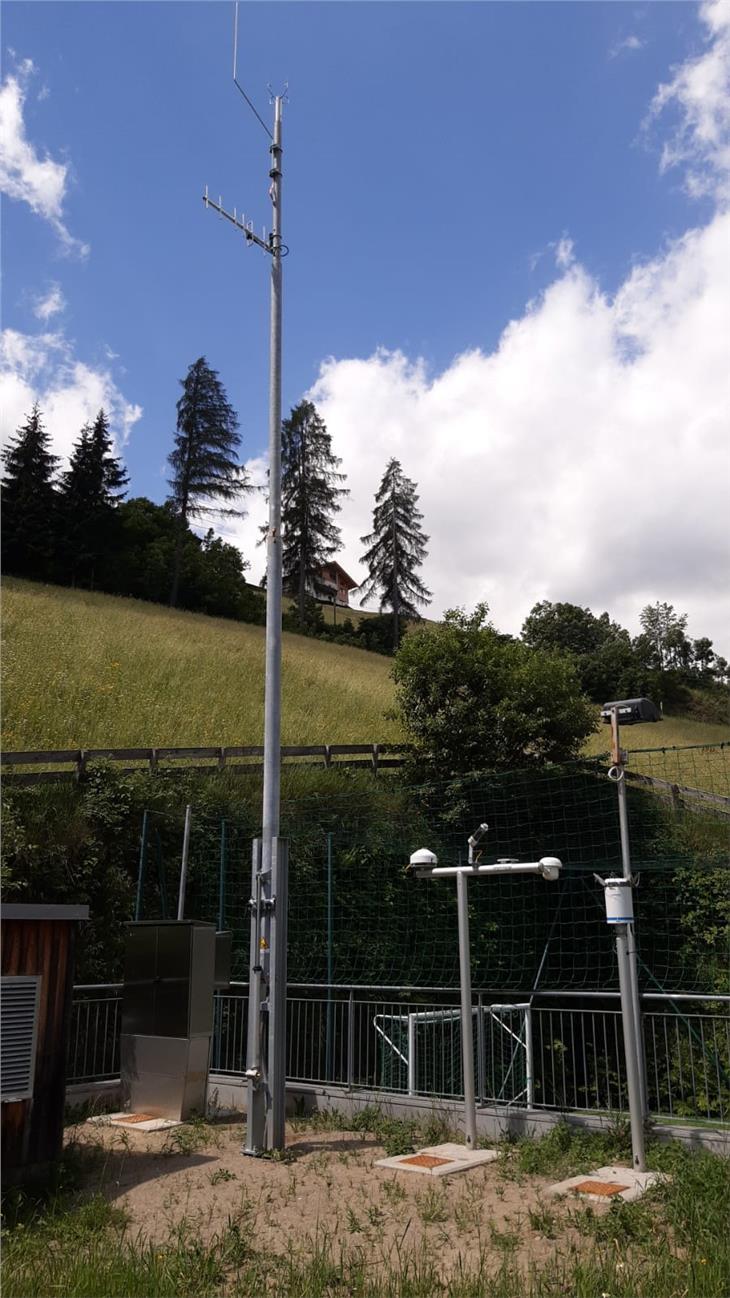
(393, 1190)
(507, 1241)
(354, 1224)
(565, 1150)
(543, 1221)
(220, 1175)
(432, 1205)
(188, 1139)
(374, 1214)
(467, 1213)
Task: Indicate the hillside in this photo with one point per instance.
(89, 670)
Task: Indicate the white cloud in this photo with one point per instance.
(43, 368)
(700, 91)
(50, 304)
(585, 459)
(24, 175)
(629, 44)
(564, 252)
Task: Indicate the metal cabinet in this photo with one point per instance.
(171, 968)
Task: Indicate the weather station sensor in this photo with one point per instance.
(630, 712)
(424, 865)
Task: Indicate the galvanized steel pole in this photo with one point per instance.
(272, 698)
(467, 1027)
(632, 972)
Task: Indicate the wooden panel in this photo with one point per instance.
(32, 1131)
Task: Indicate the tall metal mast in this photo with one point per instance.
(266, 1051)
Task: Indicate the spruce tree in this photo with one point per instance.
(206, 474)
(92, 487)
(309, 497)
(396, 548)
(29, 501)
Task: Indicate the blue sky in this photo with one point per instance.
(436, 155)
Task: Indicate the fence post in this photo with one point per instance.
(184, 864)
(140, 870)
(330, 962)
(351, 1039)
(529, 1060)
(412, 1076)
(222, 879)
(480, 1048)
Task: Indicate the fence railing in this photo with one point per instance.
(71, 763)
(527, 1055)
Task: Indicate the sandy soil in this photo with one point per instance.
(327, 1187)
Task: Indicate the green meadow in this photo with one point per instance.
(89, 670)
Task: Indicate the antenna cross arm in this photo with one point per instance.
(246, 230)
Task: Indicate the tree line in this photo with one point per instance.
(77, 528)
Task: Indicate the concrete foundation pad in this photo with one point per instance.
(439, 1160)
(134, 1121)
(608, 1183)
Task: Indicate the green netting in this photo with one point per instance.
(357, 917)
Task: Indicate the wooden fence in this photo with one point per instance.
(72, 763)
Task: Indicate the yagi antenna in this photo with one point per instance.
(236, 82)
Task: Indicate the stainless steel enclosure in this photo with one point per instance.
(167, 1015)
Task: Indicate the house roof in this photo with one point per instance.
(346, 578)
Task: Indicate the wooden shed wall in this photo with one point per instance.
(32, 1130)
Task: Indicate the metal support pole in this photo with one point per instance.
(529, 1060)
(140, 870)
(255, 1094)
(276, 1052)
(272, 700)
(184, 864)
(633, 1067)
(481, 1049)
(411, 1054)
(467, 1027)
(617, 758)
(351, 1040)
(222, 879)
(330, 963)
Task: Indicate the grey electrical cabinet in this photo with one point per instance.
(171, 969)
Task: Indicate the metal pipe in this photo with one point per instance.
(467, 1027)
(411, 1054)
(140, 870)
(272, 699)
(529, 1060)
(222, 879)
(617, 757)
(184, 864)
(636, 1112)
(528, 867)
(330, 933)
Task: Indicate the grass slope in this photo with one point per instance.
(94, 671)
(88, 670)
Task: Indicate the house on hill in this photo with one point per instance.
(333, 584)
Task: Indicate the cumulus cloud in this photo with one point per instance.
(38, 181)
(566, 465)
(586, 457)
(700, 92)
(43, 367)
(49, 304)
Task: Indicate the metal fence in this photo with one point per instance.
(527, 1055)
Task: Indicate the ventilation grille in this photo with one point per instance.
(18, 1033)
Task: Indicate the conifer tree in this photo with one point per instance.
(309, 497)
(91, 488)
(29, 501)
(206, 474)
(396, 548)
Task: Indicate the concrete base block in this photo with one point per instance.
(134, 1121)
(608, 1183)
(439, 1160)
